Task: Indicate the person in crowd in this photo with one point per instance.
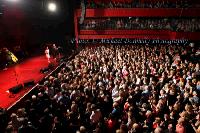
(172, 24)
(117, 88)
(139, 4)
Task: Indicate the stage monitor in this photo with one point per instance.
(16, 89)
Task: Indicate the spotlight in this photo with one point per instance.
(52, 6)
(12, 0)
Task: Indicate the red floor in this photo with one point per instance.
(19, 73)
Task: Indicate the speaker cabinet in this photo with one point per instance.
(29, 83)
(16, 89)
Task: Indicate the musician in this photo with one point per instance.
(19, 52)
(54, 51)
(11, 57)
(7, 57)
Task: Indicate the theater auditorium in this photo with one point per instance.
(100, 66)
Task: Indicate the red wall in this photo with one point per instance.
(142, 12)
(172, 36)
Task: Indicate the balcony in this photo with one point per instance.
(110, 13)
(141, 12)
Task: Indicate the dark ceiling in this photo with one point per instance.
(30, 21)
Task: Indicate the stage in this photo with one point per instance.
(28, 69)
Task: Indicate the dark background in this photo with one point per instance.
(29, 23)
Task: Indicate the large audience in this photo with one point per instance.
(117, 89)
(140, 4)
(173, 24)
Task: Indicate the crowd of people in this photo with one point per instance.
(173, 24)
(139, 4)
(117, 89)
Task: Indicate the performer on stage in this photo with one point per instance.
(47, 54)
(7, 58)
(54, 51)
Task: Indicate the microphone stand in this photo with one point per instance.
(17, 81)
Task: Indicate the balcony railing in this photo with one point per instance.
(111, 13)
(138, 34)
(142, 12)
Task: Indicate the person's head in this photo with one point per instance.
(135, 127)
(181, 121)
(89, 105)
(13, 116)
(172, 91)
(21, 112)
(34, 97)
(170, 127)
(188, 108)
(162, 92)
(148, 113)
(194, 81)
(119, 131)
(82, 129)
(115, 105)
(157, 120)
(177, 106)
(186, 95)
(194, 93)
(121, 93)
(124, 128)
(198, 117)
(144, 106)
(9, 129)
(93, 107)
(74, 107)
(158, 130)
(183, 114)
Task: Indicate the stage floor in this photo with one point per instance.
(27, 70)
